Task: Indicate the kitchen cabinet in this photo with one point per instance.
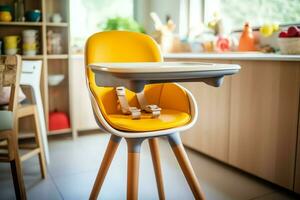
(264, 119)
(83, 118)
(210, 135)
(251, 121)
(297, 172)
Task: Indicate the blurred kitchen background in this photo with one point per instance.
(188, 25)
(246, 144)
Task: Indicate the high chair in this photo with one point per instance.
(178, 111)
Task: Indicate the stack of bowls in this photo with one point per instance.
(11, 44)
(30, 43)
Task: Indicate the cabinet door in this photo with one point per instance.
(297, 172)
(210, 134)
(83, 118)
(264, 117)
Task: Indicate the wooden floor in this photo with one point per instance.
(72, 173)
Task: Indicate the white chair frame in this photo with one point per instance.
(31, 76)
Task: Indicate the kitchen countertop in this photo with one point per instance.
(234, 56)
(224, 56)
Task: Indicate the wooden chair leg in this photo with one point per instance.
(18, 179)
(105, 164)
(39, 143)
(154, 148)
(133, 164)
(16, 170)
(185, 165)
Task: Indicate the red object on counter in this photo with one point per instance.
(247, 40)
(223, 44)
(293, 31)
(58, 120)
(283, 34)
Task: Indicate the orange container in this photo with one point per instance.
(247, 40)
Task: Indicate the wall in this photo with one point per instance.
(162, 8)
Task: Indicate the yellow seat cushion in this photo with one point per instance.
(171, 98)
(167, 119)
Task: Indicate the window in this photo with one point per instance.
(87, 16)
(256, 12)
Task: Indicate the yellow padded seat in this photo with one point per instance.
(170, 97)
(167, 119)
(122, 46)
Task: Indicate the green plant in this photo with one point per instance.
(122, 23)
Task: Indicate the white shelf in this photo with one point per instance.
(58, 56)
(61, 131)
(61, 24)
(56, 132)
(36, 57)
(20, 23)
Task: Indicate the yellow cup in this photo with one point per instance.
(5, 16)
(11, 42)
(30, 46)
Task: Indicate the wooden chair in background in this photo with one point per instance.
(30, 76)
(37, 148)
(10, 68)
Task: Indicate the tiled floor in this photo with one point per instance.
(74, 165)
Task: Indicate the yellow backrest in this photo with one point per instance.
(120, 46)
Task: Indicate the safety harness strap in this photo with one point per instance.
(134, 111)
(149, 108)
(126, 109)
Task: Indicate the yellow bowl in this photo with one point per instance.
(5, 16)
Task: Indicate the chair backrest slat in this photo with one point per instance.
(10, 68)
